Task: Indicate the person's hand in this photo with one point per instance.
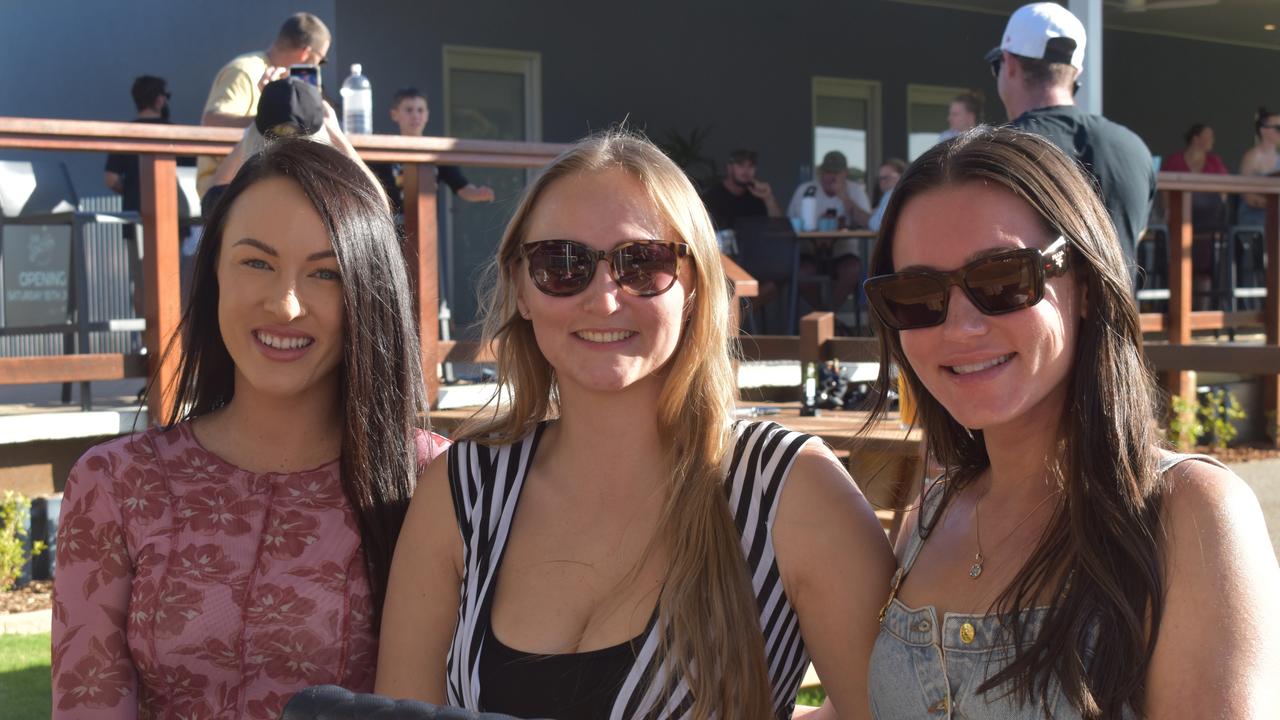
(474, 193)
(271, 74)
(760, 189)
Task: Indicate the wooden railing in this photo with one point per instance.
(1178, 322)
(158, 146)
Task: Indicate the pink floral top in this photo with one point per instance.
(190, 588)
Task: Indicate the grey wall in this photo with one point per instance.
(76, 59)
(746, 67)
(742, 67)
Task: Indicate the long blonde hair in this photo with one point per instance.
(707, 601)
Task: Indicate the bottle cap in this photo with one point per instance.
(356, 69)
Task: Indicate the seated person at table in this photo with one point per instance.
(1065, 564)
(409, 112)
(1263, 158)
(741, 194)
(890, 171)
(215, 565)
(610, 542)
(846, 200)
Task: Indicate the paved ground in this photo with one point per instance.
(1264, 477)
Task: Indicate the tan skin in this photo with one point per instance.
(574, 577)
(276, 253)
(1218, 646)
(1261, 158)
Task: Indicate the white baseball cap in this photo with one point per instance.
(1044, 31)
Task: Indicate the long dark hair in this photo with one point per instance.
(1260, 118)
(381, 392)
(1100, 558)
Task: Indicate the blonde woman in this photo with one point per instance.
(612, 543)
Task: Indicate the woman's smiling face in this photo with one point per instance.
(988, 371)
(280, 301)
(603, 338)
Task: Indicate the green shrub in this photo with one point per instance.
(13, 538)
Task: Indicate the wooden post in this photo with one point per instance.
(1180, 383)
(420, 255)
(161, 278)
(1271, 383)
(816, 329)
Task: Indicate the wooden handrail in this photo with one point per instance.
(158, 145)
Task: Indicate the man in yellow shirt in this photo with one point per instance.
(233, 100)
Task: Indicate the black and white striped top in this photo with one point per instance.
(486, 484)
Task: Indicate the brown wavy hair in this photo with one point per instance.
(1100, 557)
(707, 606)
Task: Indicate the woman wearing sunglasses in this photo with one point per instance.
(608, 543)
(1063, 565)
(213, 567)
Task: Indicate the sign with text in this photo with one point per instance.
(37, 274)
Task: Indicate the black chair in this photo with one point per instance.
(1153, 264)
(330, 702)
(769, 250)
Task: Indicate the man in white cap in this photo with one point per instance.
(1036, 66)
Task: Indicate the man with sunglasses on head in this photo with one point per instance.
(233, 100)
(1036, 66)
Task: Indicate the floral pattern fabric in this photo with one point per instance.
(188, 588)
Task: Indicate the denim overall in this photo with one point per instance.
(930, 666)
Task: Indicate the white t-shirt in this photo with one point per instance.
(825, 201)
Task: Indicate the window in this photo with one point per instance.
(846, 117)
(927, 107)
(489, 94)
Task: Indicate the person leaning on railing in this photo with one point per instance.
(611, 543)
(1065, 564)
(214, 566)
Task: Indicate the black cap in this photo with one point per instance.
(288, 107)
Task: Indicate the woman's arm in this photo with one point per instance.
(1218, 649)
(1249, 166)
(835, 563)
(421, 609)
(93, 674)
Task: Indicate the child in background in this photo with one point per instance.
(409, 112)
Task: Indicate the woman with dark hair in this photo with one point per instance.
(1063, 564)
(1261, 159)
(213, 566)
(1208, 210)
(608, 542)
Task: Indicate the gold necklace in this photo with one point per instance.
(976, 568)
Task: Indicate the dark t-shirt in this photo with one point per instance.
(1113, 154)
(725, 208)
(126, 166)
(390, 175)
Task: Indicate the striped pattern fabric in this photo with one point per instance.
(486, 484)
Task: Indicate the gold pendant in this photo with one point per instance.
(966, 633)
(976, 568)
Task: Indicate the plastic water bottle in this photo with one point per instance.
(809, 209)
(357, 102)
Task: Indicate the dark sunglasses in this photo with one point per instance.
(640, 267)
(997, 284)
(1275, 126)
(995, 66)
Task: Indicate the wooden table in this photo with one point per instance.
(885, 462)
